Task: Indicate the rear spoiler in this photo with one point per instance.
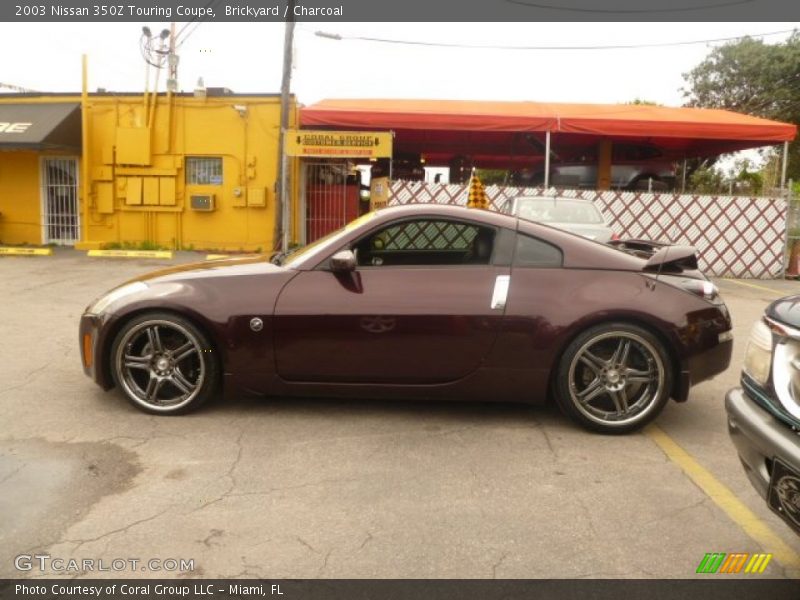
(673, 258)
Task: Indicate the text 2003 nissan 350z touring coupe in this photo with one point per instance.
(420, 302)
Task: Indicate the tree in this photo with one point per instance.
(752, 77)
(642, 102)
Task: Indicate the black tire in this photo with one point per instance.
(614, 378)
(164, 364)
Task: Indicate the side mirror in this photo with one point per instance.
(343, 261)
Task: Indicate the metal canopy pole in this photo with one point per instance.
(785, 164)
(547, 159)
(683, 177)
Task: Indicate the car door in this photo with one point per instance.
(423, 306)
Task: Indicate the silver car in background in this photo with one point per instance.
(575, 215)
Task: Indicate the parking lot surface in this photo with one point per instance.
(349, 489)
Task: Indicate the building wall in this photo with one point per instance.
(134, 185)
(20, 202)
(139, 191)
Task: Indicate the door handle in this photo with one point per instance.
(500, 294)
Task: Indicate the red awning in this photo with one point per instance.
(679, 131)
(596, 119)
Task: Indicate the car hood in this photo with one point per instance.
(786, 310)
(225, 267)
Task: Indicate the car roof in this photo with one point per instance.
(489, 217)
(578, 251)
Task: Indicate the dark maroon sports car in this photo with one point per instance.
(420, 302)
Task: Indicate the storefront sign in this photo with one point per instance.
(14, 127)
(338, 144)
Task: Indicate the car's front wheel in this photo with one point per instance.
(164, 364)
(614, 378)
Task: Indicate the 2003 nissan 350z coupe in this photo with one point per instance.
(420, 302)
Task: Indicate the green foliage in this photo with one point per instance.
(641, 102)
(751, 182)
(706, 180)
(492, 176)
(741, 180)
(752, 77)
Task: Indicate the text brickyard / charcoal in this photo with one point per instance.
(263, 12)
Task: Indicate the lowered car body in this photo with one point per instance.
(420, 302)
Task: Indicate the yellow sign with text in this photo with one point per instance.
(338, 144)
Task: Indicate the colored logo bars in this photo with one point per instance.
(719, 562)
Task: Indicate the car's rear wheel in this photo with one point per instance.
(614, 378)
(164, 364)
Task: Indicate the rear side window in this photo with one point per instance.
(531, 252)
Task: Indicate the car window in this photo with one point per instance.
(427, 242)
(558, 210)
(324, 241)
(531, 252)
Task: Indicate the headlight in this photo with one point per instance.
(104, 302)
(786, 374)
(758, 355)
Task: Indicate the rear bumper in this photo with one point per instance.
(759, 439)
(703, 366)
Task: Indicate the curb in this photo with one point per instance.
(129, 253)
(11, 251)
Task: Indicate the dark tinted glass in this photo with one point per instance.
(536, 253)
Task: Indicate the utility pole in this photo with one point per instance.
(282, 212)
(172, 62)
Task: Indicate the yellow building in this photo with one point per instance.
(178, 171)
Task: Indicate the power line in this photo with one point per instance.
(578, 9)
(18, 88)
(196, 21)
(339, 37)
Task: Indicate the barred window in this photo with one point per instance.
(203, 170)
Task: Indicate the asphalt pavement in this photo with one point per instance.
(285, 488)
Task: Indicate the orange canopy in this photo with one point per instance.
(491, 131)
(596, 119)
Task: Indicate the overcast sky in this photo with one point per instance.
(246, 57)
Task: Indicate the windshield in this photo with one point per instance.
(558, 210)
(310, 249)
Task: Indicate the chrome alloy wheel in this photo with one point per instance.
(616, 378)
(160, 366)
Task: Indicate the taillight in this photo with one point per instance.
(699, 287)
(614, 237)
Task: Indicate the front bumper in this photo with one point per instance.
(759, 439)
(91, 342)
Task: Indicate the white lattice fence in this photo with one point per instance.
(734, 236)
